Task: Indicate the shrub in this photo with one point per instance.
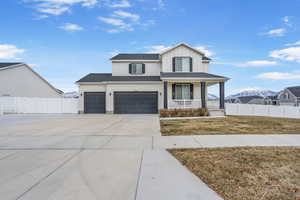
(191, 112)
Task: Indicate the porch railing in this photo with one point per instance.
(192, 103)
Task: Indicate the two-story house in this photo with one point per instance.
(290, 96)
(146, 83)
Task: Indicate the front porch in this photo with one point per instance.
(191, 92)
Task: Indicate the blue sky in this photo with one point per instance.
(255, 43)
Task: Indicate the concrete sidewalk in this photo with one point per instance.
(163, 178)
(94, 142)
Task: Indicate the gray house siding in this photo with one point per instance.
(286, 97)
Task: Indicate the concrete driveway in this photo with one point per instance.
(70, 125)
(89, 157)
(105, 157)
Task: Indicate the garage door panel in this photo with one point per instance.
(135, 102)
(94, 102)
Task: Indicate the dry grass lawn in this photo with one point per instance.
(264, 173)
(231, 125)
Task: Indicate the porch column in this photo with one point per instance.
(165, 95)
(222, 95)
(203, 94)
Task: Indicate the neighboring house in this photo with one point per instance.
(272, 100)
(145, 83)
(19, 80)
(290, 96)
(250, 100)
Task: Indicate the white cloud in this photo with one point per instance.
(117, 23)
(286, 20)
(54, 11)
(161, 48)
(32, 64)
(121, 4)
(278, 76)
(276, 32)
(205, 50)
(71, 27)
(293, 44)
(161, 3)
(9, 51)
(124, 14)
(157, 48)
(113, 30)
(256, 63)
(288, 54)
(58, 7)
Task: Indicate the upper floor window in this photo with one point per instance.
(136, 68)
(182, 64)
(287, 96)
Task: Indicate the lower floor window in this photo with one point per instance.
(182, 91)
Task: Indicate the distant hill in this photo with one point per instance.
(253, 92)
(212, 96)
(71, 94)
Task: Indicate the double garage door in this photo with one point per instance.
(124, 102)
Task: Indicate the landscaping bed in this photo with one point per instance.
(231, 125)
(190, 112)
(248, 173)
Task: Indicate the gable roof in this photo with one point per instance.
(136, 56)
(3, 65)
(295, 90)
(154, 56)
(107, 77)
(247, 99)
(185, 45)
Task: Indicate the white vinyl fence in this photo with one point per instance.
(33, 105)
(262, 110)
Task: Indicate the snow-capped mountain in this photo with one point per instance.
(253, 92)
(212, 96)
(71, 95)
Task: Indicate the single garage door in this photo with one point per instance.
(135, 102)
(94, 102)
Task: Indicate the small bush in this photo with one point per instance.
(192, 112)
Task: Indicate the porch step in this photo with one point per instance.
(216, 112)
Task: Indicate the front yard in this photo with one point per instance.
(231, 125)
(263, 173)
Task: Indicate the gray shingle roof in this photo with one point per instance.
(190, 75)
(247, 99)
(206, 58)
(105, 77)
(295, 90)
(136, 56)
(2, 65)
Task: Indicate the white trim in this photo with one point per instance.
(117, 82)
(121, 61)
(194, 78)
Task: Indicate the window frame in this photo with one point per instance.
(134, 68)
(190, 60)
(188, 88)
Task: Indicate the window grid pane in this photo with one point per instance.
(182, 64)
(137, 68)
(185, 64)
(182, 91)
